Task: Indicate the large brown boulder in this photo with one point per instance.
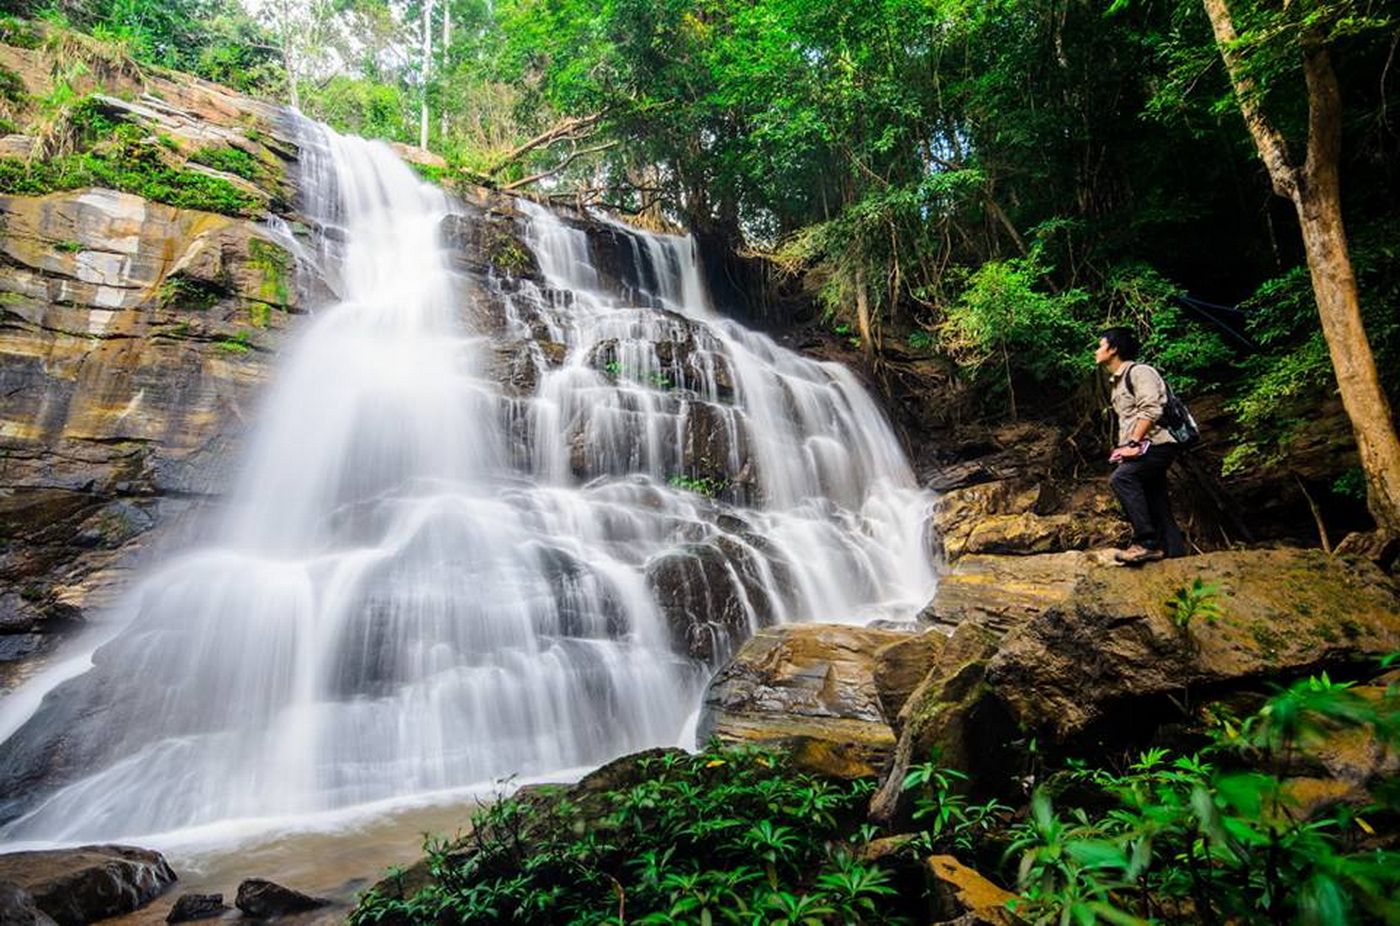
(1114, 643)
(810, 689)
(1002, 592)
(75, 886)
(950, 718)
(1015, 517)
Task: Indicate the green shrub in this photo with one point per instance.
(231, 161)
(1004, 327)
(129, 169)
(12, 86)
(1210, 838)
(726, 836)
(708, 486)
(19, 33)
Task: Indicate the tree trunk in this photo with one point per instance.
(427, 71)
(867, 344)
(446, 46)
(1315, 190)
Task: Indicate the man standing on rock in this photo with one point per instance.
(1145, 450)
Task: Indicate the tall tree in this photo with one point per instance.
(1314, 187)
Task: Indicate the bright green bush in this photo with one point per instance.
(119, 156)
(1218, 837)
(1005, 326)
(726, 836)
(231, 161)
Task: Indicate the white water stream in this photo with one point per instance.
(474, 537)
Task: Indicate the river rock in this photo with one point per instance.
(950, 718)
(191, 907)
(266, 899)
(810, 689)
(17, 908)
(71, 887)
(1113, 641)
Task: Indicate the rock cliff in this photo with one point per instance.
(137, 323)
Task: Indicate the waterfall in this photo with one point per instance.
(481, 531)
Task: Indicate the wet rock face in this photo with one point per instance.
(266, 900)
(136, 337)
(813, 689)
(711, 595)
(71, 887)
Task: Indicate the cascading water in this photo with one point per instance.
(478, 534)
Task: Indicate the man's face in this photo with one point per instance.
(1105, 353)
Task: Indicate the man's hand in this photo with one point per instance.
(1126, 452)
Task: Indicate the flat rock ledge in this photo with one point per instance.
(1058, 646)
(71, 887)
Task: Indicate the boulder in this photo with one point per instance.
(17, 908)
(76, 886)
(810, 689)
(267, 899)
(901, 666)
(191, 907)
(1010, 516)
(951, 718)
(1111, 640)
(1002, 592)
(712, 595)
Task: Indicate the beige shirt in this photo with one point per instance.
(1147, 400)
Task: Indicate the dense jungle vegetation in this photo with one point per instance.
(1210, 835)
(986, 182)
(983, 182)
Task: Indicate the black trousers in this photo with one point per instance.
(1141, 487)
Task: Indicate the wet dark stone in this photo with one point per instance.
(264, 899)
(72, 887)
(16, 646)
(196, 907)
(17, 908)
(707, 592)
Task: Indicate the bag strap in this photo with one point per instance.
(1128, 376)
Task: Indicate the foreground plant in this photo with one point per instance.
(726, 836)
(1211, 838)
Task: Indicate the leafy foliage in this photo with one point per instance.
(1207, 838)
(725, 836)
(1292, 375)
(1197, 600)
(1003, 320)
(119, 156)
(216, 39)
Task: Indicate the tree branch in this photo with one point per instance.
(573, 128)
(573, 156)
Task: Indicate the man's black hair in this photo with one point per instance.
(1123, 340)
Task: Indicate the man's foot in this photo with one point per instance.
(1137, 554)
